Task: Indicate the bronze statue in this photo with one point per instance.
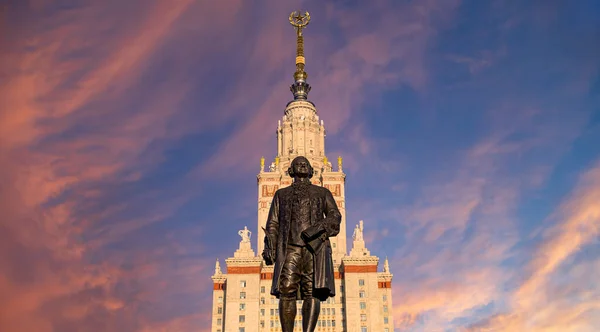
(301, 220)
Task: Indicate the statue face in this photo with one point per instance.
(301, 167)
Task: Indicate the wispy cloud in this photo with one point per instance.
(542, 302)
(339, 74)
(125, 130)
(72, 150)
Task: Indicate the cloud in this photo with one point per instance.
(78, 133)
(539, 303)
(462, 230)
(338, 74)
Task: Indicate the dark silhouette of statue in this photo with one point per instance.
(301, 220)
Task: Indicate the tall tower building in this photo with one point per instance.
(241, 299)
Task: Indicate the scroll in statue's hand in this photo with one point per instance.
(314, 237)
(312, 233)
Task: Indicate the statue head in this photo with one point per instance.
(300, 168)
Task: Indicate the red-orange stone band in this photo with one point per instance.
(360, 268)
(243, 270)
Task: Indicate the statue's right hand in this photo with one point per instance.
(268, 256)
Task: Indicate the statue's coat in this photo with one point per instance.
(324, 214)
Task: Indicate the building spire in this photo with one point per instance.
(300, 88)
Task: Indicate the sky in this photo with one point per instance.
(131, 134)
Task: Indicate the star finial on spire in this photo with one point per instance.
(300, 88)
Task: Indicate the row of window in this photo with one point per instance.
(320, 323)
(274, 300)
(361, 282)
(243, 284)
(324, 311)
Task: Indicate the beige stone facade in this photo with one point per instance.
(241, 299)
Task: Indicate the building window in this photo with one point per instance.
(333, 311)
(333, 323)
(262, 323)
(262, 300)
(363, 305)
(385, 320)
(342, 289)
(220, 310)
(363, 329)
(272, 312)
(363, 317)
(242, 318)
(385, 308)
(384, 297)
(219, 321)
(333, 244)
(361, 294)
(242, 329)
(220, 299)
(243, 283)
(262, 289)
(242, 295)
(262, 312)
(242, 306)
(361, 282)
(386, 330)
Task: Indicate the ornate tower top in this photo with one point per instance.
(300, 88)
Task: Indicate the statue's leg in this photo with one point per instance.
(311, 306)
(289, 282)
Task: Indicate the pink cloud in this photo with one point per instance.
(338, 82)
(63, 71)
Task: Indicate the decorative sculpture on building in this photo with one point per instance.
(301, 220)
(358, 232)
(218, 268)
(245, 234)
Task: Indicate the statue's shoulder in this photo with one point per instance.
(283, 191)
(319, 189)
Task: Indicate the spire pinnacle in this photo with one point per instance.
(300, 88)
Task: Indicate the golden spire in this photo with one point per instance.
(300, 88)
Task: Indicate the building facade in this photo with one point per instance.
(241, 299)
